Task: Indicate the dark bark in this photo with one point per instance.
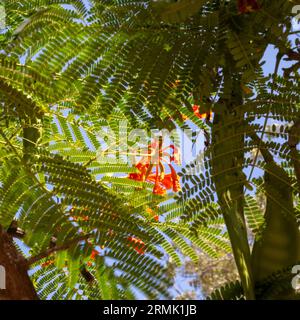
(18, 283)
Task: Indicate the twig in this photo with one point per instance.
(62, 247)
(261, 147)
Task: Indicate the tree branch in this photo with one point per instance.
(261, 146)
(62, 247)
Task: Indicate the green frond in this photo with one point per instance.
(231, 291)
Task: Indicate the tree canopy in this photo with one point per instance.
(93, 206)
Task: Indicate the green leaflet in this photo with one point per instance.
(178, 11)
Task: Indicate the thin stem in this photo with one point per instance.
(62, 247)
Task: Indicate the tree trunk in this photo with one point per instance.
(18, 285)
(228, 147)
(277, 247)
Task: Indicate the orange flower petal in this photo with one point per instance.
(135, 176)
(159, 190)
(197, 113)
(152, 213)
(94, 254)
(167, 181)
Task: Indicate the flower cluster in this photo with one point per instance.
(155, 172)
(93, 256)
(200, 115)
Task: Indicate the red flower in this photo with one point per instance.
(167, 181)
(164, 180)
(138, 245)
(159, 190)
(175, 180)
(161, 181)
(156, 218)
(245, 6)
(176, 155)
(142, 167)
(151, 177)
(152, 214)
(135, 176)
(197, 113)
(94, 254)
